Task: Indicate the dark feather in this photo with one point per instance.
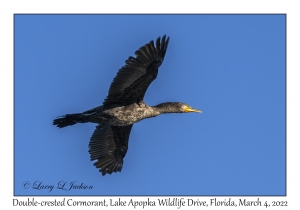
(108, 145)
(133, 79)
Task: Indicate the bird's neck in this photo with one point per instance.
(164, 108)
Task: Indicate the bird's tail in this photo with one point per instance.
(70, 119)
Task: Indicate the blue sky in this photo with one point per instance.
(232, 67)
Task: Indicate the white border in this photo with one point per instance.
(8, 8)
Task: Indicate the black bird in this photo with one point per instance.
(123, 107)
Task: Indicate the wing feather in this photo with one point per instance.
(109, 145)
(134, 78)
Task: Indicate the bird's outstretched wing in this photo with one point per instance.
(133, 79)
(108, 145)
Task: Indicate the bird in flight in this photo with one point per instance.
(123, 107)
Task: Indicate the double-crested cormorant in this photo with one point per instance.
(123, 107)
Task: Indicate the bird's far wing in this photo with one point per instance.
(133, 79)
(108, 145)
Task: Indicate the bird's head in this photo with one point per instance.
(188, 108)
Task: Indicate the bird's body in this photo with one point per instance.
(123, 107)
(126, 115)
